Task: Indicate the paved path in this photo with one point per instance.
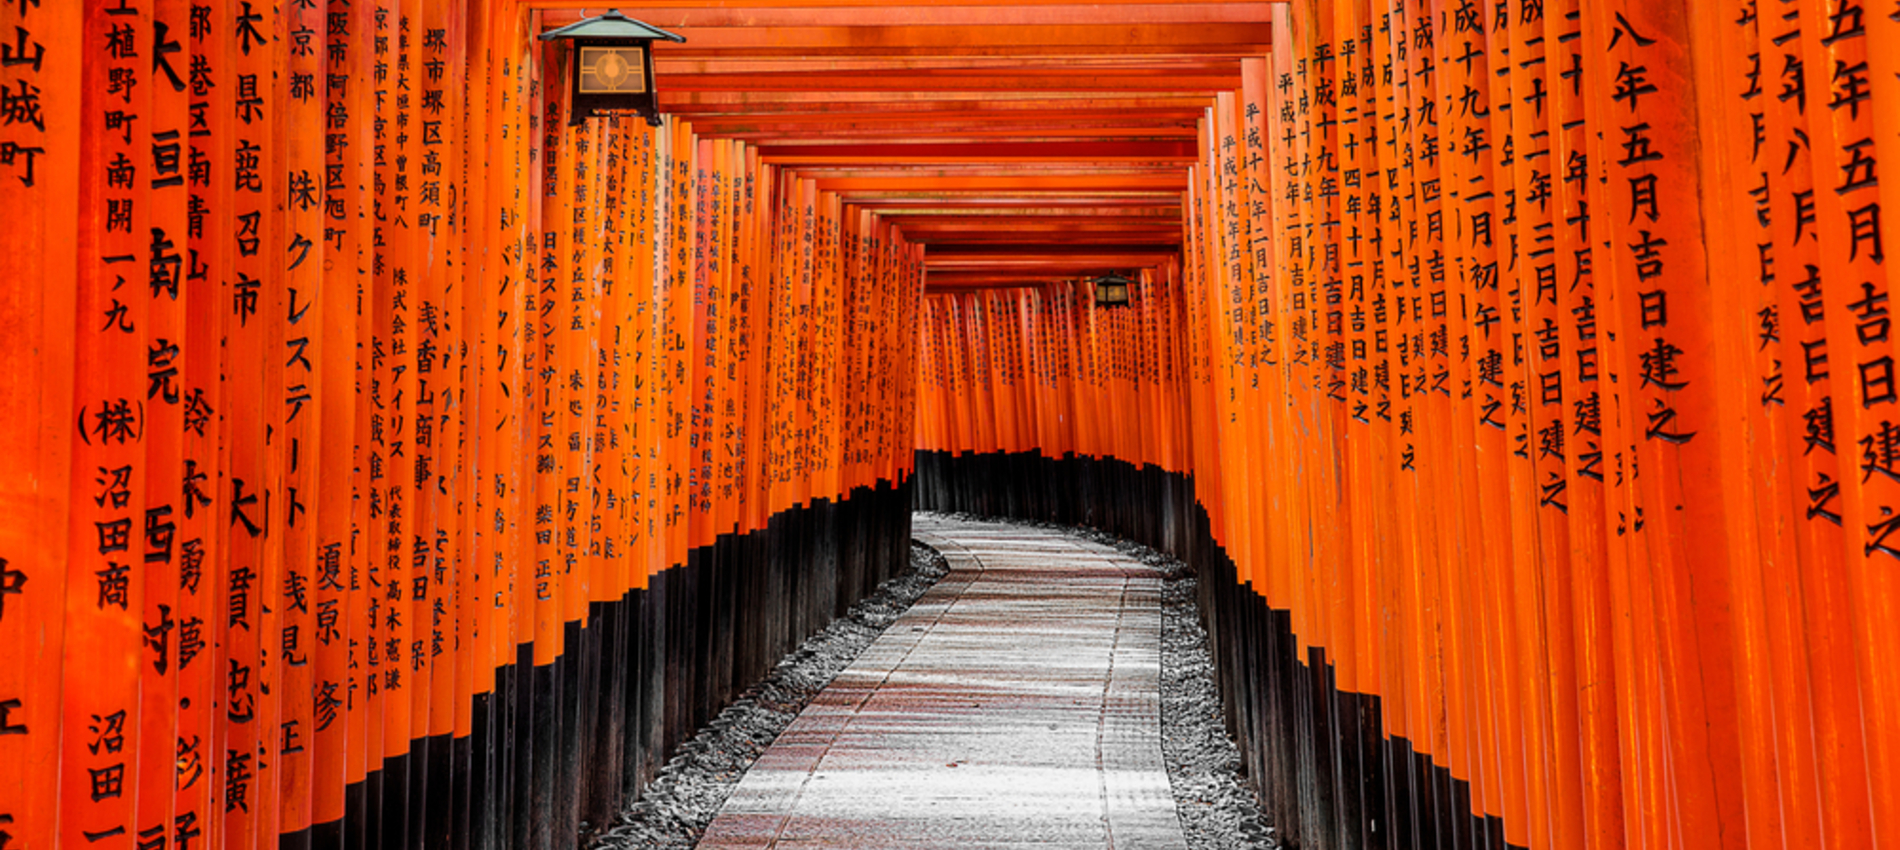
(1016, 705)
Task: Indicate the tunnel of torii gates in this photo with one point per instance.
(391, 462)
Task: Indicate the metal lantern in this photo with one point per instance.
(611, 65)
(1111, 290)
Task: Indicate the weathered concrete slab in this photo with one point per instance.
(1016, 704)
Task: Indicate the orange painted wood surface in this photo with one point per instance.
(1532, 360)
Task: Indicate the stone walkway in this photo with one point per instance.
(1015, 705)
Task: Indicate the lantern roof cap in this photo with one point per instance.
(611, 25)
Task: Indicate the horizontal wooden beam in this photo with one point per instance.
(961, 13)
(1239, 39)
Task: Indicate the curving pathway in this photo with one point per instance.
(1015, 705)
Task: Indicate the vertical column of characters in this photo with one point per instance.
(1223, 264)
(781, 346)
(929, 380)
(989, 324)
(1284, 330)
(1164, 404)
(515, 382)
(200, 483)
(1443, 422)
(950, 359)
(983, 361)
(1191, 307)
(348, 162)
(1578, 440)
(734, 247)
(828, 303)
(1627, 553)
(1464, 143)
(702, 356)
(733, 403)
(301, 92)
(1023, 362)
(1736, 239)
(1366, 427)
(606, 550)
(755, 299)
(1196, 243)
(970, 416)
(1541, 601)
(678, 338)
(1174, 361)
(1658, 304)
(1326, 366)
(42, 117)
(906, 309)
(580, 350)
(1372, 465)
(556, 233)
(493, 482)
(851, 255)
(1845, 146)
(1873, 628)
(710, 352)
(957, 360)
(1402, 683)
(775, 293)
(1520, 646)
(643, 234)
(797, 263)
(534, 159)
(1140, 429)
(999, 307)
(1365, 251)
(272, 590)
(98, 726)
(877, 395)
(404, 511)
(1035, 363)
(169, 347)
(1473, 147)
(1020, 362)
(1125, 322)
(470, 547)
(445, 86)
(379, 409)
(1281, 329)
(1062, 360)
(1137, 427)
(651, 306)
(1200, 202)
(252, 414)
(971, 419)
(421, 102)
(882, 403)
(1096, 406)
(1051, 417)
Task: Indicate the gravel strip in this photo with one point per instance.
(1217, 811)
(674, 811)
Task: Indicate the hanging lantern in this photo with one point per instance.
(611, 65)
(1111, 290)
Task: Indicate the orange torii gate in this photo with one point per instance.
(387, 454)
